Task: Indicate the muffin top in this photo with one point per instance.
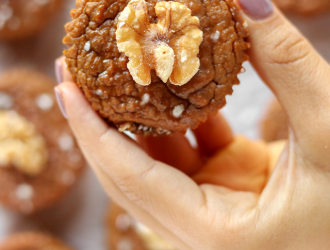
(154, 67)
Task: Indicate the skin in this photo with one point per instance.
(230, 193)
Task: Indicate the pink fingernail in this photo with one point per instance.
(58, 71)
(60, 102)
(257, 9)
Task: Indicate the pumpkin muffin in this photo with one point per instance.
(39, 158)
(124, 232)
(32, 241)
(156, 67)
(22, 18)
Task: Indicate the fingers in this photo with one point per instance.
(173, 150)
(296, 73)
(176, 151)
(213, 135)
(242, 165)
(61, 72)
(156, 187)
(118, 196)
(275, 150)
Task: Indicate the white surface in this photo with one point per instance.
(79, 219)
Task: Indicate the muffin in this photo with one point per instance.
(303, 6)
(274, 125)
(153, 67)
(32, 241)
(125, 233)
(39, 158)
(22, 18)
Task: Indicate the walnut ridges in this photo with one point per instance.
(20, 144)
(170, 47)
(161, 99)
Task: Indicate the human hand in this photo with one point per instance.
(220, 196)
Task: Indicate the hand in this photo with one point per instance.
(221, 195)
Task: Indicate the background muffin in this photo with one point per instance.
(124, 232)
(21, 18)
(39, 160)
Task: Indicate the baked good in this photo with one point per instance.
(39, 158)
(154, 67)
(22, 18)
(274, 125)
(303, 6)
(126, 233)
(32, 241)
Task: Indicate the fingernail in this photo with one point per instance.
(60, 102)
(58, 71)
(257, 9)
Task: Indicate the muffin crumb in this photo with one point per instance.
(178, 110)
(24, 192)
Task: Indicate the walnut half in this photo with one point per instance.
(170, 47)
(20, 144)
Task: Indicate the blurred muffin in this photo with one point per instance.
(32, 241)
(39, 158)
(125, 233)
(274, 125)
(303, 6)
(24, 18)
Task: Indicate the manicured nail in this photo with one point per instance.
(60, 102)
(257, 9)
(58, 71)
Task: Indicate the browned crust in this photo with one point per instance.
(119, 96)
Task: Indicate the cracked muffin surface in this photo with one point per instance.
(158, 107)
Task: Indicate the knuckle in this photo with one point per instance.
(290, 47)
(132, 185)
(130, 188)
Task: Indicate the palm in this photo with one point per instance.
(222, 160)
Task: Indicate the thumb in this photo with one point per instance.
(289, 65)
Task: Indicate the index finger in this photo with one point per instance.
(296, 73)
(161, 190)
(213, 135)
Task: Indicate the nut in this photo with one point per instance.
(20, 145)
(169, 47)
